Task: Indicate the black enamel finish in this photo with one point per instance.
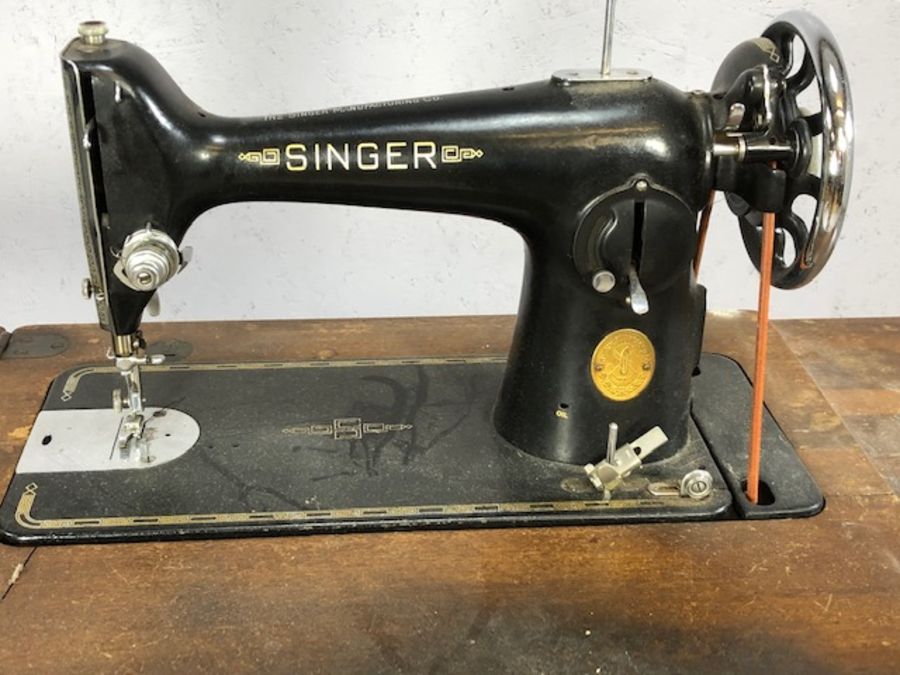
(550, 154)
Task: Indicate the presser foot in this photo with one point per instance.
(131, 441)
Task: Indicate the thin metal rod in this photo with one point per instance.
(702, 231)
(608, 37)
(762, 344)
(612, 442)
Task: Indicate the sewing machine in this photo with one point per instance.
(604, 410)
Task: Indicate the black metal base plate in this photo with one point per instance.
(289, 448)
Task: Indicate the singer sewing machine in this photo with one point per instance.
(604, 411)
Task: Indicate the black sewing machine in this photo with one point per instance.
(602, 172)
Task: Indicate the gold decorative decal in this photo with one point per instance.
(345, 429)
(453, 154)
(264, 157)
(769, 49)
(623, 364)
(29, 496)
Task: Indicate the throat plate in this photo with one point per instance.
(85, 440)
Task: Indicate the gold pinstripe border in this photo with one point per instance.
(75, 377)
(29, 495)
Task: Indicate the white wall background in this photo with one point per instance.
(301, 261)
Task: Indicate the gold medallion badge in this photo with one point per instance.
(623, 364)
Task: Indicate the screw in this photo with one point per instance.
(144, 278)
(92, 32)
(87, 288)
(696, 484)
(603, 281)
(641, 185)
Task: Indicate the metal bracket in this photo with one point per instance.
(622, 461)
(578, 75)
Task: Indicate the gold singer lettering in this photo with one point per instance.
(392, 155)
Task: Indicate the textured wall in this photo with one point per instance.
(293, 261)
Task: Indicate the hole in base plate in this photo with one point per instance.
(765, 497)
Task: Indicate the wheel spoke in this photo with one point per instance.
(814, 122)
(778, 252)
(794, 226)
(807, 185)
(803, 77)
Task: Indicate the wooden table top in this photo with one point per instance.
(812, 595)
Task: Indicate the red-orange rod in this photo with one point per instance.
(762, 343)
(702, 230)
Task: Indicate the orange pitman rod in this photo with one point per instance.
(762, 343)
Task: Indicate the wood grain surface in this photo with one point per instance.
(857, 366)
(816, 595)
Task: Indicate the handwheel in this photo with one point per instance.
(823, 142)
